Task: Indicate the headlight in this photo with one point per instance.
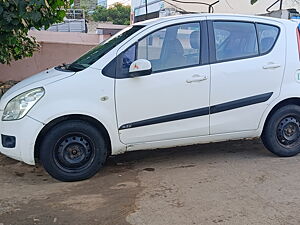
(19, 106)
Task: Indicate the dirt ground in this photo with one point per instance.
(225, 183)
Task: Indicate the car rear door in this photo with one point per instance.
(248, 60)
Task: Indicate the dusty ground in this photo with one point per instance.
(225, 183)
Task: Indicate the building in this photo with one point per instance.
(109, 28)
(76, 4)
(153, 7)
(157, 8)
(102, 3)
(70, 25)
(89, 4)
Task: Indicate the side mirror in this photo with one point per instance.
(140, 67)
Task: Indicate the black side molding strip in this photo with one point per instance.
(168, 118)
(201, 112)
(240, 103)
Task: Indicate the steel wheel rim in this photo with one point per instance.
(74, 152)
(288, 131)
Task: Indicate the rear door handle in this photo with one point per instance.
(271, 66)
(196, 78)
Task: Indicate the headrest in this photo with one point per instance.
(175, 47)
(195, 39)
(266, 44)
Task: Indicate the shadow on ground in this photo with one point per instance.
(30, 196)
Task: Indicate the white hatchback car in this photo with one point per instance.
(161, 83)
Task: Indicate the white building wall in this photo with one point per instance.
(241, 6)
(138, 6)
(224, 6)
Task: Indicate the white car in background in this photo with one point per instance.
(161, 83)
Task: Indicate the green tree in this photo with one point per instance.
(117, 13)
(100, 14)
(18, 17)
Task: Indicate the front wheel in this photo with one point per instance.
(281, 134)
(73, 150)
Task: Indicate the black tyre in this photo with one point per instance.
(281, 134)
(73, 150)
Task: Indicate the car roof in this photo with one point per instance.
(211, 15)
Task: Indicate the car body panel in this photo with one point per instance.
(35, 81)
(85, 97)
(110, 101)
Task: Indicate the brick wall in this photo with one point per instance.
(56, 48)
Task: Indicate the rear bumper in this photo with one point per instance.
(25, 132)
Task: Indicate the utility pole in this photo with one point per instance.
(146, 5)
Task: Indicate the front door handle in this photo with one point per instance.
(196, 78)
(271, 66)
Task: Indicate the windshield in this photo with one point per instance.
(96, 53)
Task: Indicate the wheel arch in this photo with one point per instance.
(94, 122)
(288, 101)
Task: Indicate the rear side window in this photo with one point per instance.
(234, 40)
(267, 36)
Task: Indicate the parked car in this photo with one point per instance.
(161, 83)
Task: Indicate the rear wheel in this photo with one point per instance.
(73, 150)
(282, 131)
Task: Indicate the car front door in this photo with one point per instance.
(173, 101)
(246, 72)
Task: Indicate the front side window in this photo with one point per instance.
(267, 36)
(234, 40)
(172, 47)
(167, 49)
(127, 58)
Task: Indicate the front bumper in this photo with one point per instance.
(25, 132)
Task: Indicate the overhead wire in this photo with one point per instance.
(193, 2)
(190, 2)
(228, 4)
(175, 6)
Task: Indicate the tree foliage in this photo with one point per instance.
(117, 13)
(100, 14)
(18, 17)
